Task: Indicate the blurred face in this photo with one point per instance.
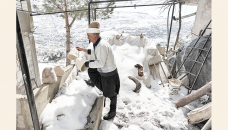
(92, 37)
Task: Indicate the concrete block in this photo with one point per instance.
(29, 53)
(18, 91)
(20, 122)
(27, 47)
(26, 39)
(29, 120)
(31, 67)
(19, 78)
(43, 95)
(19, 73)
(17, 68)
(31, 128)
(18, 106)
(94, 117)
(59, 71)
(23, 91)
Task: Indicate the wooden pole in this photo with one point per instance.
(206, 89)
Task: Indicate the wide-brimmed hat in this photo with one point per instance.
(80, 64)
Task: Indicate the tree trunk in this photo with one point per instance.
(179, 26)
(67, 45)
(206, 89)
(67, 34)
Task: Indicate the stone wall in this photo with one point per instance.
(26, 24)
(43, 95)
(203, 16)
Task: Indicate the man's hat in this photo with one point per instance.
(94, 27)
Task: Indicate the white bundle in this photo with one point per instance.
(73, 54)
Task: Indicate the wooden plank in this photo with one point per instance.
(200, 114)
(207, 126)
(206, 89)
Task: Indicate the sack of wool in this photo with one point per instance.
(48, 75)
(73, 54)
(59, 71)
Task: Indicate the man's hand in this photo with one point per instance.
(82, 49)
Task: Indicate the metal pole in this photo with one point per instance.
(170, 28)
(88, 13)
(94, 8)
(95, 14)
(133, 6)
(26, 76)
(111, 1)
(89, 16)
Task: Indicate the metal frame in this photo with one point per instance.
(192, 48)
(26, 75)
(170, 29)
(195, 61)
(92, 2)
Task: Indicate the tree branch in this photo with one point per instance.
(57, 5)
(72, 22)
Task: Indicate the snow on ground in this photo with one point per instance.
(69, 110)
(150, 109)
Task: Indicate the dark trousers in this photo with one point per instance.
(108, 85)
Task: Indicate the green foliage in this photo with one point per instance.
(49, 6)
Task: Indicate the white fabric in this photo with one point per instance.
(104, 57)
(80, 64)
(73, 54)
(93, 30)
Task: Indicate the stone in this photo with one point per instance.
(19, 73)
(48, 75)
(18, 106)
(20, 122)
(59, 71)
(205, 74)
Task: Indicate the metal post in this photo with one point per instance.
(95, 14)
(26, 76)
(89, 16)
(170, 28)
(88, 13)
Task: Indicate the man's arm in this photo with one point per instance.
(88, 51)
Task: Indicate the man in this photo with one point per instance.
(102, 71)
